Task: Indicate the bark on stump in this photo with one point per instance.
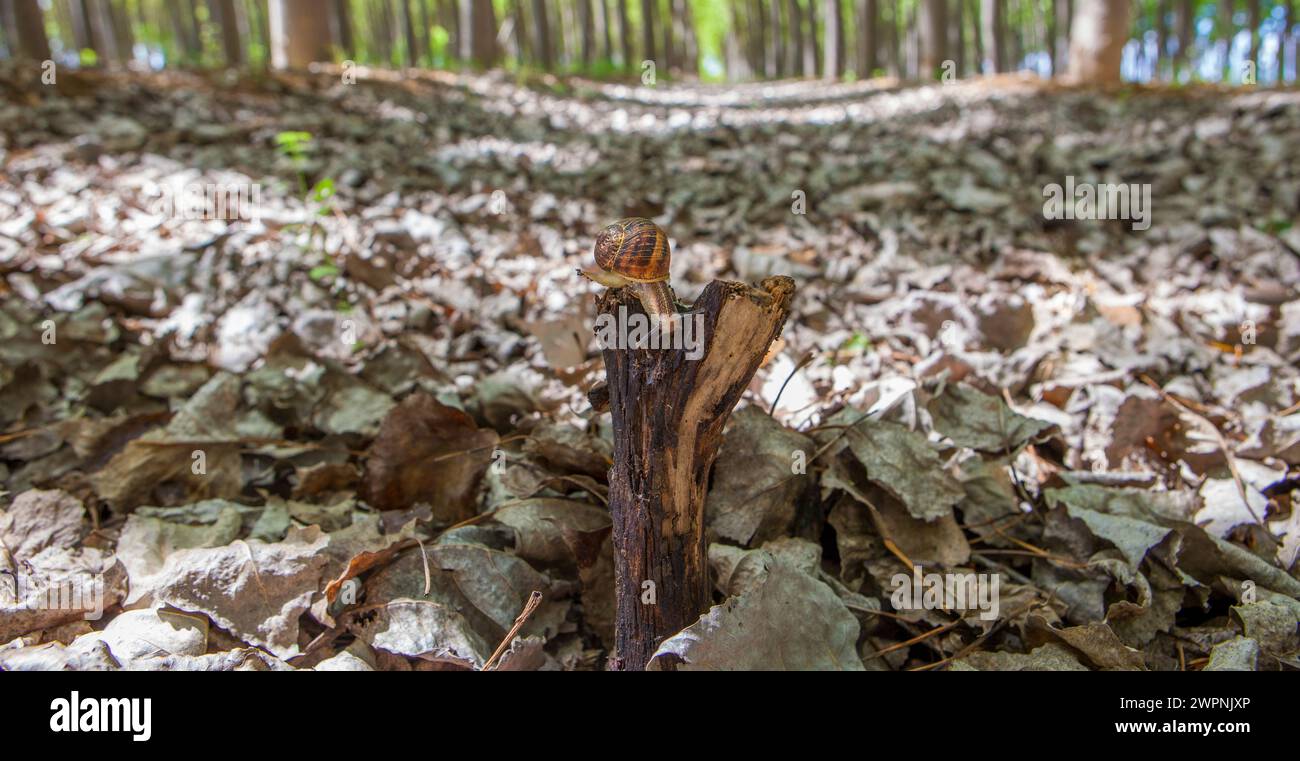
(668, 414)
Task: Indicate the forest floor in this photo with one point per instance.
(348, 429)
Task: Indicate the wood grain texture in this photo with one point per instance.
(668, 415)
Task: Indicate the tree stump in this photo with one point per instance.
(669, 407)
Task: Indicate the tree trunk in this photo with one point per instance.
(1063, 11)
(648, 30)
(670, 57)
(1285, 40)
(690, 56)
(194, 28)
(1226, 29)
(775, 38)
(341, 28)
(449, 19)
(560, 21)
(76, 16)
(116, 45)
(868, 23)
(388, 30)
(957, 38)
(1016, 39)
(932, 22)
(1186, 12)
(1252, 18)
(542, 46)
(893, 60)
(668, 415)
(602, 22)
(587, 20)
(120, 20)
(812, 62)
(518, 32)
(408, 34)
(757, 24)
(737, 52)
(8, 30)
(1098, 34)
(913, 29)
(834, 40)
(229, 25)
(99, 30)
(483, 33)
(624, 34)
(263, 28)
(995, 34)
(465, 27)
(795, 51)
(179, 36)
(1162, 37)
(425, 30)
(29, 23)
(300, 34)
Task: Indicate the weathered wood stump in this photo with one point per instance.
(669, 407)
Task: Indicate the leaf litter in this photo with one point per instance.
(353, 434)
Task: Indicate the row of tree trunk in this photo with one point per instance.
(768, 38)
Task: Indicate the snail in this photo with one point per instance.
(635, 253)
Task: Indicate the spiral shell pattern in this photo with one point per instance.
(634, 248)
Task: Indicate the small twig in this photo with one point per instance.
(856, 608)
(985, 562)
(428, 580)
(1065, 562)
(981, 640)
(534, 600)
(1289, 410)
(908, 643)
(807, 359)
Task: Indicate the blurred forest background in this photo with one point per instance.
(716, 40)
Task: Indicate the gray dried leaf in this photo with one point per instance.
(755, 481)
(1239, 654)
(791, 621)
(145, 543)
(982, 421)
(39, 519)
(421, 629)
(1272, 626)
(901, 461)
(252, 589)
(1049, 657)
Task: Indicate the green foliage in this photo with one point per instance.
(440, 40)
(322, 192)
(712, 25)
(323, 271)
(294, 144)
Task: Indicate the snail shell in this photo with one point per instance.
(636, 249)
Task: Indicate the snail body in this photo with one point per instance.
(635, 253)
